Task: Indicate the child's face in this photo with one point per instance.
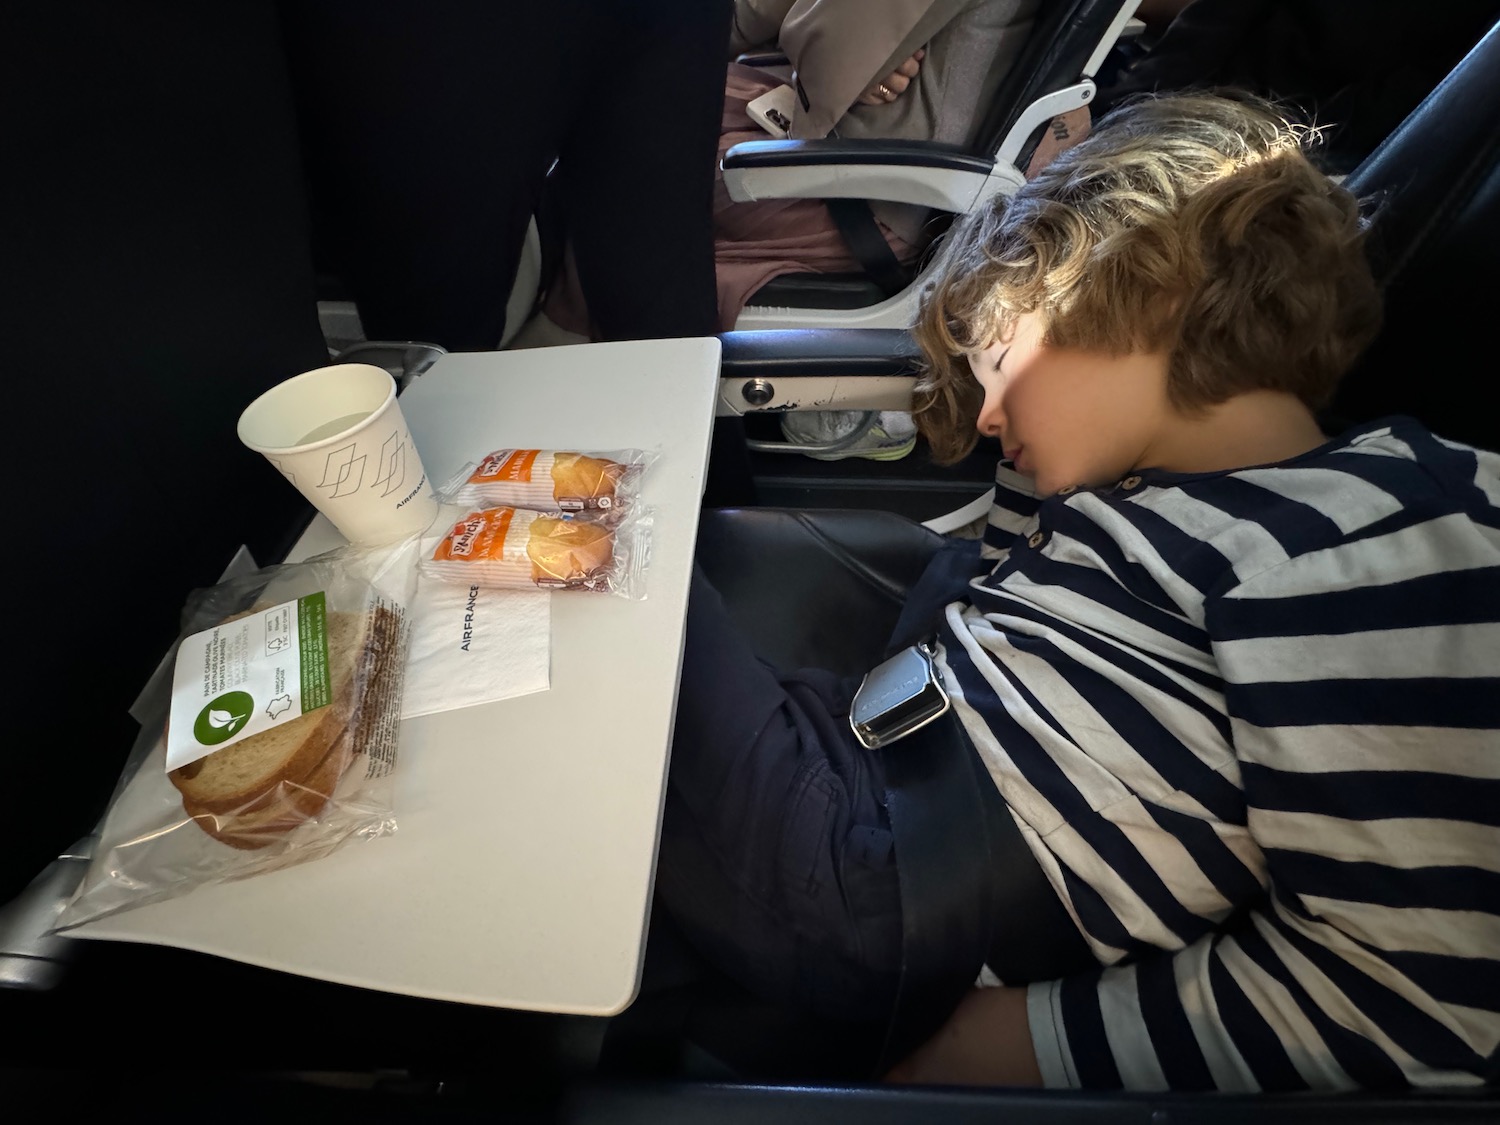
(1069, 417)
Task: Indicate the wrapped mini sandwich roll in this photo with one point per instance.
(547, 480)
(514, 549)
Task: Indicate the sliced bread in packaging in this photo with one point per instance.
(236, 777)
(331, 633)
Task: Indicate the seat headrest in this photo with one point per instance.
(1429, 174)
(1434, 184)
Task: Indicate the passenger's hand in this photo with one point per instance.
(894, 84)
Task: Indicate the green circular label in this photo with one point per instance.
(223, 718)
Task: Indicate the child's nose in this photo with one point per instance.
(991, 420)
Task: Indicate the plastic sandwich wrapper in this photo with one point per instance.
(272, 739)
(421, 646)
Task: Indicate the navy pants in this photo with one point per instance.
(776, 855)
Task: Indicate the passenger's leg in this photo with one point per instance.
(429, 129)
(637, 175)
(637, 169)
(776, 856)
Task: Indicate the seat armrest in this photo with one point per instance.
(818, 351)
(919, 172)
(32, 958)
(815, 369)
(763, 58)
(682, 1103)
(404, 359)
(792, 154)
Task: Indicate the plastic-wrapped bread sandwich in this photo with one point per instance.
(271, 736)
(515, 549)
(253, 792)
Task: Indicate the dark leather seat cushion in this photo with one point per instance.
(814, 588)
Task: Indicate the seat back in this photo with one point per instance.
(1068, 43)
(1434, 243)
(157, 244)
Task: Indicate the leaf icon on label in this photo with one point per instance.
(223, 717)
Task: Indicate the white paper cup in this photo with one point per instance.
(338, 434)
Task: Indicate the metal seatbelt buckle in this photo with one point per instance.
(897, 697)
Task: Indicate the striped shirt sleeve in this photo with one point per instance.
(1362, 683)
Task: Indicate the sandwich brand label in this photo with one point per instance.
(247, 675)
(482, 535)
(506, 465)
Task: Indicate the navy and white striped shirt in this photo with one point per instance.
(1252, 719)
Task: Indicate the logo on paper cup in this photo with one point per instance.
(391, 468)
(344, 468)
(223, 718)
(343, 472)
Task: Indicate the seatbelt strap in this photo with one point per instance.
(942, 853)
(862, 234)
(1033, 936)
(972, 893)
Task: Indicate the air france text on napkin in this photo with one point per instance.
(472, 645)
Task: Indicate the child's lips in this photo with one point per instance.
(1014, 457)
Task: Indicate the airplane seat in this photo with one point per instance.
(1053, 74)
(1435, 237)
(156, 242)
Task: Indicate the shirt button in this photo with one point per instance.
(1130, 482)
(1037, 539)
(1067, 488)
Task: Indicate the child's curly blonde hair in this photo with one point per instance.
(1191, 224)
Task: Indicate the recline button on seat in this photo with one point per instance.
(758, 392)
